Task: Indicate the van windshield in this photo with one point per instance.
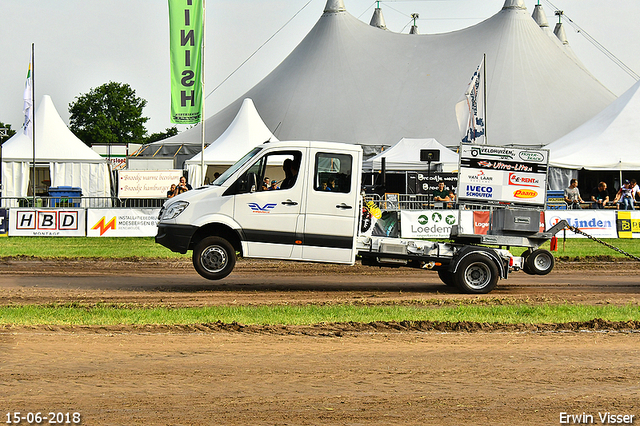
(231, 170)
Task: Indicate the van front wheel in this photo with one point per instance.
(214, 258)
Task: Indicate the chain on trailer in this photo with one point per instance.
(591, 237)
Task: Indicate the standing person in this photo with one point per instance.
(440, 193)
(183, 186)
(572, 195)
(600, 196)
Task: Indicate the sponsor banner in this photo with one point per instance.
(502, 175)
(628, 224)
(481, 222)
(597, 223)
(146, 183)
(122, 222)
(426, 183)
(427, 223)
(4, 222)
(47, 223)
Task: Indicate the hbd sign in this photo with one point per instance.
(47, 223)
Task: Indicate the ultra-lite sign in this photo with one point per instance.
(502, 174)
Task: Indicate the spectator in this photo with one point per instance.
(600, 196)
(452, 197)
(183, 186)
(624, 197)
(266, 184)
(274, 184)
(572, 195)
(172, 191)
(440, 193)
(331, 185)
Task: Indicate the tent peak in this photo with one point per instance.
(335, 6)
(514, 4)
(539, 16)
(377, 20)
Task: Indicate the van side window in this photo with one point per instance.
(333, 172)
(276, 170)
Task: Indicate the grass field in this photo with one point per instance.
(310, 314)
(146, 247)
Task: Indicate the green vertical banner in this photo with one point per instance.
(185, 44)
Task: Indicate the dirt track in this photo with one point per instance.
(333, 374)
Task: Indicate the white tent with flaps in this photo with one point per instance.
(608, 141)
(246, 131)
(405, 156)
(69, 161)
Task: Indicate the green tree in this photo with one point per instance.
(109, 114)
(9, 132)
(170, 131)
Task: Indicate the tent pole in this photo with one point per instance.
(33, 120)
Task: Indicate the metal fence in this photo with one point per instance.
(80, 202)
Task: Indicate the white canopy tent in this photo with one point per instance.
(405, 156)
(609, 141)
(69, 160)
(246, 131)
(606, 142)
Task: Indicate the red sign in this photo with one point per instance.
(481, 220)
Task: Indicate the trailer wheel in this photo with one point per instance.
(214, 258)
(446, 277)
(540, 262)
(476, 274)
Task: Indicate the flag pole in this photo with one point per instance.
(33, 120)
(204, 18)
(484, 104)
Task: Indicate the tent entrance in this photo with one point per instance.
(42, 179)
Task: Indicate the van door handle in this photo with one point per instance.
(289, 203)
(343, 206)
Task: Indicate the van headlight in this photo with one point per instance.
(172, 211)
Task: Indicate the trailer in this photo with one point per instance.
(316, 215)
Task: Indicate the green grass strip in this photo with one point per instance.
(114, 248)
(308, 315)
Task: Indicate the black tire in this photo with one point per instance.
(540, 262)
(447, 277)
(476, 274)
(214, 258)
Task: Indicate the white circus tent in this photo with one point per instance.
(352, 82)
(69, 161)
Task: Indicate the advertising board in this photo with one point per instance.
(490, 174)
(427, 223)
(4, 222)
(122, 222)
(47, 223)
(597, 223)
(146, 183)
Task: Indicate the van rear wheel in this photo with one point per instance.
(214, 258)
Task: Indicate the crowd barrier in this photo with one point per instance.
(407, 216)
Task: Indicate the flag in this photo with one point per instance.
(185, 49)
(27, 108)
(470, 110)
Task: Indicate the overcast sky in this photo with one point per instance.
(82, 44)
